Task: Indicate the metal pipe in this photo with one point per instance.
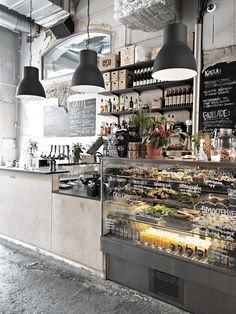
(15, 23)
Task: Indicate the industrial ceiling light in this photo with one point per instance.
(175, 60)
(87, 78)
(30, 88)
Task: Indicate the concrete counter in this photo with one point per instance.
(35, 171)
(32, 213)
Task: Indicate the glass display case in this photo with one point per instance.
(184, 209)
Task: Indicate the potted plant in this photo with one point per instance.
(32, 148)
(158, 137)
(77, 150)
(141, 120)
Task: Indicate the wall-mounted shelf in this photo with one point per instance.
(132, 67)
(161, 110)
(140, 89)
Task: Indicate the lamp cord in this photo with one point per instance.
(88, 24)
(31, 10)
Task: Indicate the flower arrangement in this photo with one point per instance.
(159, 134)
(77, 150)
(32, 147)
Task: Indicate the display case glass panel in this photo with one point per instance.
(183, 208)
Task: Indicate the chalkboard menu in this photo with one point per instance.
(79, 121)
(218, 97)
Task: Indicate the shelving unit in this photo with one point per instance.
(144, 88)
(160, 110)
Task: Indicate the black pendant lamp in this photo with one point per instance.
(30, 87)
(87, 78)
(175, 61)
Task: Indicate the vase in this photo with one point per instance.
(152, 151)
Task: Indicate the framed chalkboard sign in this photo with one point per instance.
(218, 97)
(80, 120)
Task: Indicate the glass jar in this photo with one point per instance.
(226, 143)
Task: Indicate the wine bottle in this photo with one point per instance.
(138, 78)
(187, 102)
(191, 97)
(167, 98)
(183, 98)
(174, 102)
(171, 98)
(178, 102)
(145, 76)
(131, 104)
(148, 75)
(109, 105)
(141, 78)
(135, 78)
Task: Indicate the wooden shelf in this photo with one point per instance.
(132, 67)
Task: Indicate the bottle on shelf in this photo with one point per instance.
(131, 104)
(191, 97)
(170, 98)
(187, 99)
(129, 81)
(109, 105)
(136, 106)
(151, 78)
(114, 106)
(135, 78)
(106, 107)
(126, 103)
(101, 106)
(148, 73)
(167, 98)
(174, 102)
(145, 76)
(138, 78)
(178, 97)
(183, 97)
(141, 78)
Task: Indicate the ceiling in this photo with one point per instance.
(44, 12)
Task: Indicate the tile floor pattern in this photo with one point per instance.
(32, 283)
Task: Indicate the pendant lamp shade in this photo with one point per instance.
(30, 87)
(175, 61)
(87, 78)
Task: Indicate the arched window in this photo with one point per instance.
(62, 58)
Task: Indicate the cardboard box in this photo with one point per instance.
(115, 85)
(154, 53)
(109, 62)
(127, 55)
(123, 83)
(107, 77)
(114, 76)
(123, 74)
(108, 86)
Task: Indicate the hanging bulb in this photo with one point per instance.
(175, 61)
(30, 87)
(87, 78)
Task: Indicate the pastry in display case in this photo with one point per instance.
(182, 208)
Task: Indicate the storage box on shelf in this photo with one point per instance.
(109, 62)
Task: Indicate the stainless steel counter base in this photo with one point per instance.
(195, 287)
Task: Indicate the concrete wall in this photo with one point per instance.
(219, 31)
(9, 64)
